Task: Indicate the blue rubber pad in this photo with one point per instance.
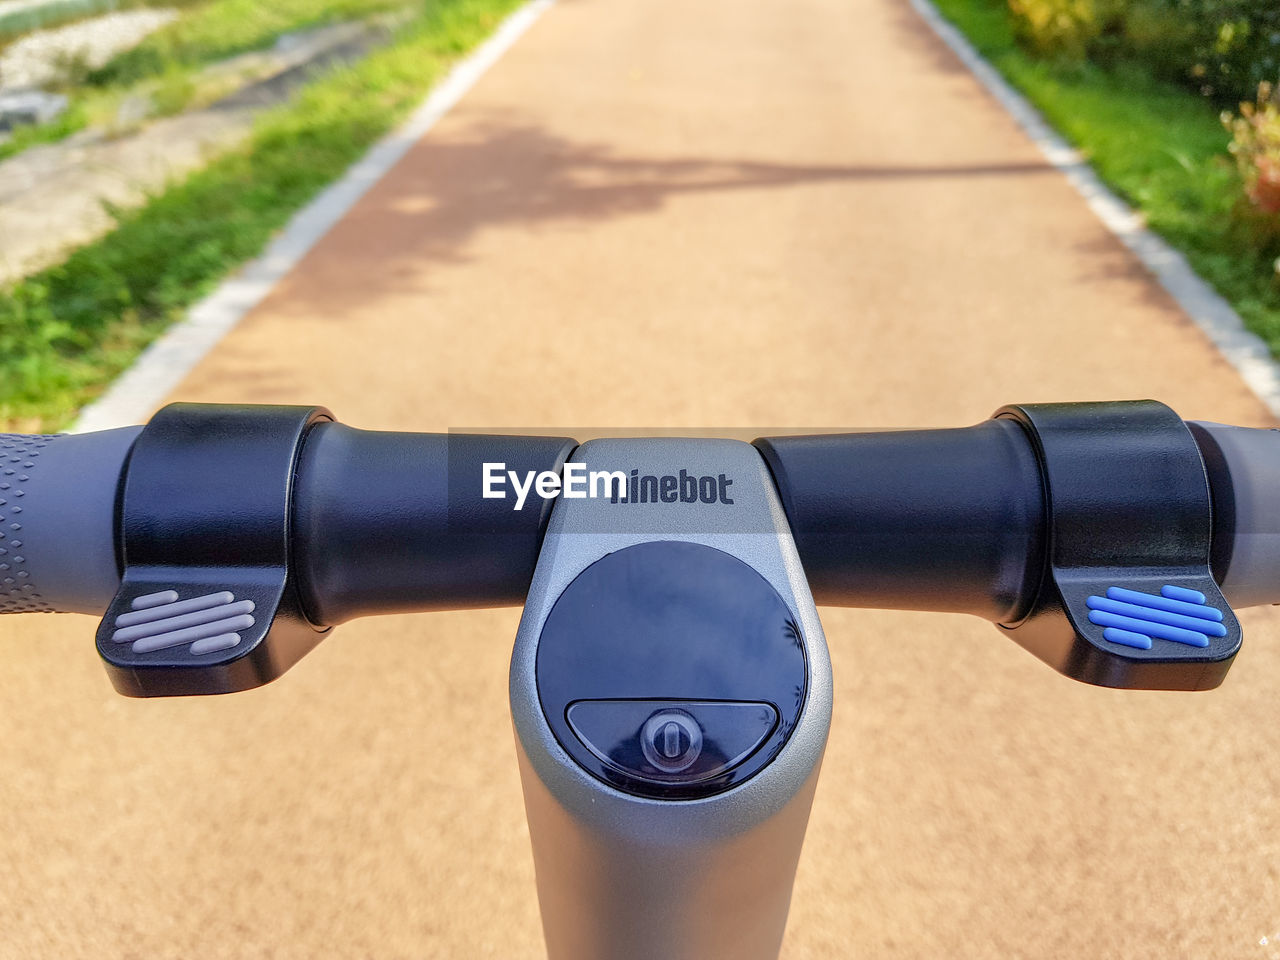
(1135, 619)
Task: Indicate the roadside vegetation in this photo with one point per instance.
(222, 28)
(1169, 101)
(163, 73)
(25, 20)
(67, 331)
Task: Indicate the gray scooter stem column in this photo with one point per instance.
(627, 877)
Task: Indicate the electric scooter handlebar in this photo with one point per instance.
(223, 541)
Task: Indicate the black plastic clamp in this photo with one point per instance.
(206, 603)
(1127, 598)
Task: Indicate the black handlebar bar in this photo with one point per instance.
(1014, 520)
(947, 520)
(387, 522)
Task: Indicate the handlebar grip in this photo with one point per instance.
(58, 518)
(1243, 464)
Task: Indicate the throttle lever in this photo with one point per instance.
(206, 603)
(1127, 597)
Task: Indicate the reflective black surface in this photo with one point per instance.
(648, 739)
(671, 670)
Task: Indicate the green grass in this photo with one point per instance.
(223, 28)
(51, 15)
(66, 332)
(165, 65)
(170, 93)
(1157, 145)
(72, 120)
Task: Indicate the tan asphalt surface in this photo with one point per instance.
(662, 214)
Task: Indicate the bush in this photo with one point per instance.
(1255, 143)
(1221, 48)
(1234, 45)
(1161, 39)
(1060, 29)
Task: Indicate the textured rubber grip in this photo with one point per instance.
(1243, 464)
(58, 520)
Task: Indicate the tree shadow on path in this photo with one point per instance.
(446, 191)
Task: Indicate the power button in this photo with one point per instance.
(665, 747)
(671, 740)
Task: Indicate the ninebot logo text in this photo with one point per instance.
(578, 483)
(684, 487)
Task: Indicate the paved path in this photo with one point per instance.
(661, 213)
